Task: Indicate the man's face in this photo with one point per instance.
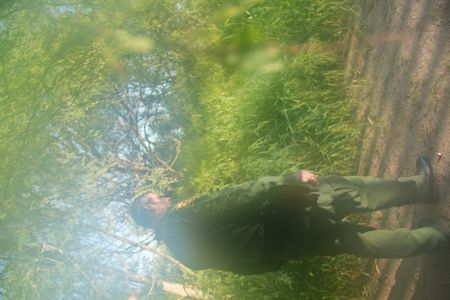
(156, 205)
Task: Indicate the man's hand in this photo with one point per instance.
(304, 176)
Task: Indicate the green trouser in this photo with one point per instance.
(340, 196)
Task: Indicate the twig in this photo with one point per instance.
(86, 277)
(147, 248)
(377, 269)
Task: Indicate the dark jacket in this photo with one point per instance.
(241, 229)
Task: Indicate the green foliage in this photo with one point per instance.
(309, 279)
(94, 97)
(52, 84)
(271, 123)
(264, 124)
(291, 21)
(271, 99)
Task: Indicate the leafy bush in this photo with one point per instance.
(270, 99)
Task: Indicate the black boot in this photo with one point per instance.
(425, 168)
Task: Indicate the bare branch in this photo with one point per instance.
(146, 248)
(182, 290)
(86, 277)
(44, 247)
(149, 151)
(177, 150)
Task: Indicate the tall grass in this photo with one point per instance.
(274, 102)
(255, 124)
(252, 125)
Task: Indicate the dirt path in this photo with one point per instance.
(399, 63)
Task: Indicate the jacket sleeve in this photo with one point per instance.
(243, 198)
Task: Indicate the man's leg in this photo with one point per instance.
(341, 196)
(376, 193)
(388, 243)
(365, 241)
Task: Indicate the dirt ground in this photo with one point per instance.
(398, 65)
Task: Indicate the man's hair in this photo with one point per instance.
(139, 210)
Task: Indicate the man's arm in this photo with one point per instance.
(239, 199)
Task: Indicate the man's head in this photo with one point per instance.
(148, 209)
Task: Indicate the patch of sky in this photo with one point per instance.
(69, 9)
(2, 25)
(3, 274)
(125, 228)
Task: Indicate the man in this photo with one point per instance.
(257, 226)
